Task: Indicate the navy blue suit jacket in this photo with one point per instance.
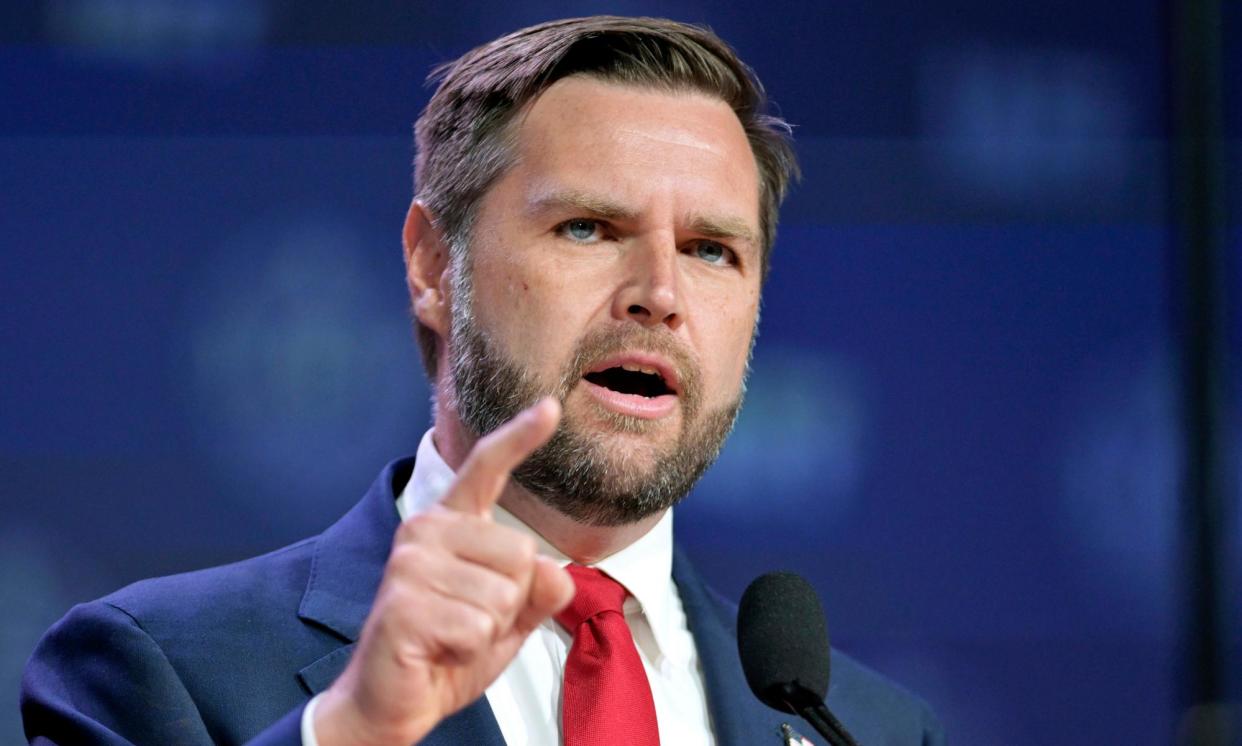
(232, 654)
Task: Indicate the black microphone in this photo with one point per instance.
(782, 638)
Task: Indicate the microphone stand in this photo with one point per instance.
(813, 710)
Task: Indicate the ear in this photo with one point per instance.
(426, 260)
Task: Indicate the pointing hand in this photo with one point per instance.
(459, 595)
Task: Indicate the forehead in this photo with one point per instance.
(630, 138)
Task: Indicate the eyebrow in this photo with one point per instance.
(711, 226)
(724, 228)
(585, 201)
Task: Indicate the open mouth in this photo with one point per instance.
(631, 379)
(636, 384)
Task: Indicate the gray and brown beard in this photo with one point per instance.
(578, 473)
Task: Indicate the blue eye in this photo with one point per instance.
(581, 229)
(713, 253)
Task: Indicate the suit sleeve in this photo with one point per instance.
(98, 678)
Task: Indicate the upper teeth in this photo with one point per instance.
(634, 367)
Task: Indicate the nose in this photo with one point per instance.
(651, 294)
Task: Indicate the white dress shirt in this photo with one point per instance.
(526, 699)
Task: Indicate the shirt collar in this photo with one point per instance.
(429, 481)
(645, 567)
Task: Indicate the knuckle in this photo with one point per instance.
(472, 630)
(425, 526)
(526, 549)
(435, 518)
(487, 627)
(409, 658)
(483, 628)
(388, 617)
(411, 528)
(407, 556)
(508, 597)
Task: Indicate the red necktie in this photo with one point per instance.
(607, 700)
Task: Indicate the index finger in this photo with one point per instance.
(483, 476)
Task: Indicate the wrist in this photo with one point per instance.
(339, 721)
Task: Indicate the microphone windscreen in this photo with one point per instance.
(782, 639)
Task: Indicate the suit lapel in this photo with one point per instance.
(319, 675)
(345, 574)
(349, 558)
(738, 717)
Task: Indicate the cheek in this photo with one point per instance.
(532, 317)
(731, 338)
(739, 355)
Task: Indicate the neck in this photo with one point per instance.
(582, 543)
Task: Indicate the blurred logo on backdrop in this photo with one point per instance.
(213, 37)
(1005, 127)
(303, 373)
(1121, 480)
(1120, 462)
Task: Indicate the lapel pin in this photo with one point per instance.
(793, 737)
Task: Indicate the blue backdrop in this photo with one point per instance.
(962, 419)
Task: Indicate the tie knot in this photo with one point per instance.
(595, 593)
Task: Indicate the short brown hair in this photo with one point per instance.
(464, 142)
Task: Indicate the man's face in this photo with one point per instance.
(616, 265)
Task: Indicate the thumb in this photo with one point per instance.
(551, 590)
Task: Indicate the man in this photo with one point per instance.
(596, 206)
